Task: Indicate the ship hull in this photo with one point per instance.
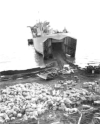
(44, 45)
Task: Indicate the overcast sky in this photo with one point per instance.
(80, 17)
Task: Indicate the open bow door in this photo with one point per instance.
(69, 46)
(47, 47)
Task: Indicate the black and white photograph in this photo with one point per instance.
(49, 61)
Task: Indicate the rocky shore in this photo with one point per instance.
(67, 98)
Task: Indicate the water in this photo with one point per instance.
(80, 18)
(87, 52)
(24, 57)
(15, 54)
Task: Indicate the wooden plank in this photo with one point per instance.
(49, 42)
(66, 40)
(71, 46)
(47, 48)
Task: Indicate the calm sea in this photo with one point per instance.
(19, 56)
(19, 59)
(80, 18)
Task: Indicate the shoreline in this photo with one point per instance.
(32, 70)
(14, 74)
(29, 76)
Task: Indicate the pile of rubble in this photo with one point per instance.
(91, 68)
(66, 70)
(31, 100)
(48, 74)
(68, 84)
(93, 86)
(22, 100)
(55, 72)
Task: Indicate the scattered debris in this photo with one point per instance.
(47, 75)
(66, 70)
(93, 86)
(91, 68)
(33, 101)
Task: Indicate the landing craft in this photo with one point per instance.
(46, 43)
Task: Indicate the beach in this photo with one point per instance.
(29, 76)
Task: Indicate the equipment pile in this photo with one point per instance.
(93, 86)
(32, 100)
(66, 70)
